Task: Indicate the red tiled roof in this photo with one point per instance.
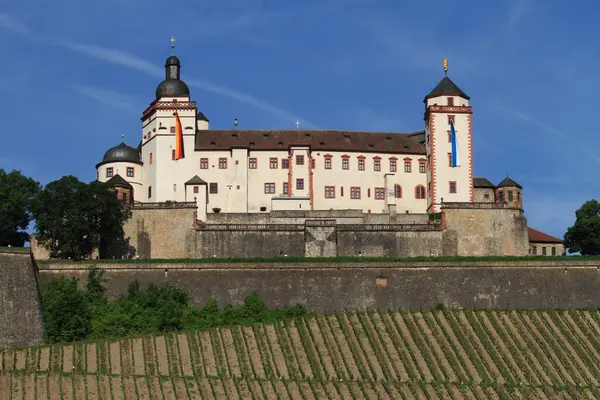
(380, 142)
(536, 236)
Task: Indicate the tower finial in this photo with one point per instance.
(173, 45)
(297, 125)
(122, 138)
(446, 65)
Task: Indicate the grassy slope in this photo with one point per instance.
(327, 259)
(433, 354)
(20, 250)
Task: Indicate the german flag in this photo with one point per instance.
(179, 153)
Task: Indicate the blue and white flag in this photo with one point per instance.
(454, 140)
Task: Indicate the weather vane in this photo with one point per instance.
(446, 65)
(173, 45)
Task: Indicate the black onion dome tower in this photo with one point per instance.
(121, 153)
(172, 86)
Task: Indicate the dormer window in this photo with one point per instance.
(450, 101)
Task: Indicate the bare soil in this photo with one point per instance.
(92, 387)
(44, 359)
(142, 388)
(91, 361)
(276, 351)
(405, 336)
(168, 389)
(254, 352)
(184, 355)
(115, 358)
(299, 351)
(363, 343)
(137, 349)
(320, 346)
(332, 324)
(232, 357)
(66, 386)
(161, 355)
(180, 389)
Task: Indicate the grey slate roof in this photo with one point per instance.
(507, 182)
(201, 117)
(446, 87)
(196, 180)
(483, 183)
(121, 153)
(118, 180)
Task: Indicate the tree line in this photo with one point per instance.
(71, 313)
(72, 218)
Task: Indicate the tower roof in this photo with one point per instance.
(196, 180)
(201, 117)
(121, 153)
(446, 87)
(172, 86)
(173, 60)
(507, 182)
(483, 183)
(118, 181)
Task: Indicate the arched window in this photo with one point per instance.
(420, 192)
(398, 191)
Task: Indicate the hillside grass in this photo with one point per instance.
(18, 250)
(438, 353)
(266, 260)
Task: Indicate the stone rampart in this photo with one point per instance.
(571, 283)
(21, 318)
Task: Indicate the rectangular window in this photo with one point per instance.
(500, 196)
(173, 154)
(109, 172)
(345, 163)
(150, 158)
(222, 163)
(392, 166)
(450, 101)
(130, 172)
(379, 193)
(341, 191)
(312, 163)
(398, 191)
(204, 163)
(510, 196)
(544, 250)
(273, 162)
(213, 188)
(361, 165)
(407, 166)
(376, 165)
(553, 251)
(449, 136)
(328, 163)
(330, 192)
(449, 159)
(172, 129)
(354, 192)
(196, 189)
(285, 188)
(534, 252)
(422, 167)
(252, 163)
(149, 192)
(299, 160)
(369, 192)
(174, 187)
(270, 188)
(299, 184)
(452, 187)
(450, 118)
(486, 196)
(285, 163)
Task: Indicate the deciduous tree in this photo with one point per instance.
(74, 218)
(16, 193)
(584, 235)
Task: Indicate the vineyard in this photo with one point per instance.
(439, 354)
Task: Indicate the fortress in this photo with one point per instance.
(197, 192)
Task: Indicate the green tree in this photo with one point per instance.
(16, 193)
(584, 235)
(74, 218)
(66, 313)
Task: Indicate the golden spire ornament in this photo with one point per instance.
(446, 65)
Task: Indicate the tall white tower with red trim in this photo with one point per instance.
(449, 157)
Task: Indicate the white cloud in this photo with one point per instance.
(109, 97)
(131, 61)
(12, 24)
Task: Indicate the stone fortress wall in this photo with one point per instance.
(171, 230)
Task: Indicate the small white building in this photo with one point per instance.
(249, 171)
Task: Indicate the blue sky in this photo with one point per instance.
(76, 75)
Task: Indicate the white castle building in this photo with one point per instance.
(253, 171)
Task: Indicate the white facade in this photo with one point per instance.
(249, 178)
